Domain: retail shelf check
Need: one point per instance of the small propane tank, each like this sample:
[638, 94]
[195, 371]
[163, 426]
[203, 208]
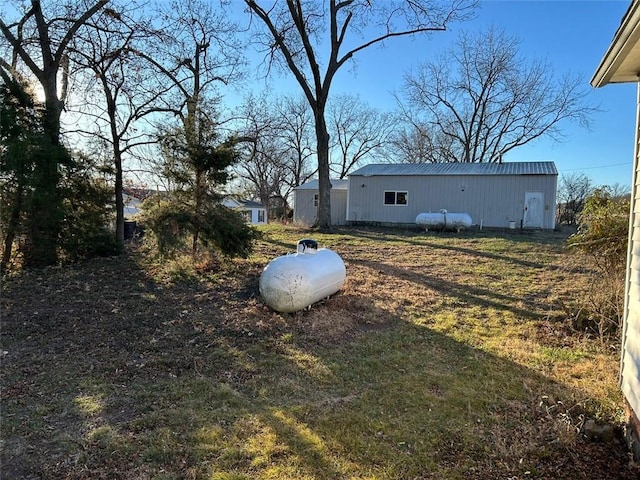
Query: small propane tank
[444, 220]
[293, 282]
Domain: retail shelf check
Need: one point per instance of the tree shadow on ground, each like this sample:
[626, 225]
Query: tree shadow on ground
[465, 293]
[421, 239]
[109, 374]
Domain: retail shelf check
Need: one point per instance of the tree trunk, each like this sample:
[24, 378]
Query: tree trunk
[117, 160]
[46, 210]
[199, 197]
[119, 200]
[12, 226]
[324, 183]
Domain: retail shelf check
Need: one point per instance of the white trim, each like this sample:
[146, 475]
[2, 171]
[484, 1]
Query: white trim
[626, 38]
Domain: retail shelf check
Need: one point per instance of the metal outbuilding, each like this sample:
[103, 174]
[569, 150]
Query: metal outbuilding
[500, 195]
[305, 202]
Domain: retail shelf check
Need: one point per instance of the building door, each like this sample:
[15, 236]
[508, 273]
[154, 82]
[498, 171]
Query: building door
[533, 210]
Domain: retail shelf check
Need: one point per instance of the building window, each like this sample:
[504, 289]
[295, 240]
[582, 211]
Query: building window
[247, 215]
[260, 216]
[395, 198]
[315, 200]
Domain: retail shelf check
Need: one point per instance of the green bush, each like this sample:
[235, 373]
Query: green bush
[603, 231]
[220, 229]
[88, 210]
[51, 205]
[603, 237]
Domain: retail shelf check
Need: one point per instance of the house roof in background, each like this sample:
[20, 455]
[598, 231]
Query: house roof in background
[508, 168]
[251, 204]
[233, 202]
[335, 185]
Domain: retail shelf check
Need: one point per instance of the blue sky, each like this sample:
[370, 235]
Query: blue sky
[572, 35]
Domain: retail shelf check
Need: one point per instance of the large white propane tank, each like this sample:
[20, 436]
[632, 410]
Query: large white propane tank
[293, 282]
[444, 220]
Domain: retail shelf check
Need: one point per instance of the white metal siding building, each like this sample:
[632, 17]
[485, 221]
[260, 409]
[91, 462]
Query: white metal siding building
[621, 64]
[493, 194]
[305, 202]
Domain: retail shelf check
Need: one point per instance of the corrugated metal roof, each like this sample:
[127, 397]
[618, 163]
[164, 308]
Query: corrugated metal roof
[508, 168]
[313, 185]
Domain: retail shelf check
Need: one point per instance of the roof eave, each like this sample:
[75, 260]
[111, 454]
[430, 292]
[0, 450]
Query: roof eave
[626, 37]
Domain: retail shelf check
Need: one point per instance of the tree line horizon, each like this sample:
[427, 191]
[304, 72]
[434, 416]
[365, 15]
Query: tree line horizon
[128, 89]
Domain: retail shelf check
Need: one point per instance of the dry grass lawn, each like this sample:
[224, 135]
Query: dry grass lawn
[445, 356]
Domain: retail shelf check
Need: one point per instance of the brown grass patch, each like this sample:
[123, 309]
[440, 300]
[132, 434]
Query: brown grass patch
[444, 356]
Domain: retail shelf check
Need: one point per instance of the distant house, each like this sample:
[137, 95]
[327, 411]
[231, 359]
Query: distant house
[621, 64]
[131, 205]
[255, 213]
[132, 198]
[305, 202]
[502, 195]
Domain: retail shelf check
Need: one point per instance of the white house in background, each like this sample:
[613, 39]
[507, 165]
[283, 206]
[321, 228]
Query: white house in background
[305, 202]
[621, 64]
[133, 197]
[131, 206]
[255, 213]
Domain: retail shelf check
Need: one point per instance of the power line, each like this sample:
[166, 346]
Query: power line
[591, 168]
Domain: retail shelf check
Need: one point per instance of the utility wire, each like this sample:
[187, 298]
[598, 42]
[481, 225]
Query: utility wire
[591, 168]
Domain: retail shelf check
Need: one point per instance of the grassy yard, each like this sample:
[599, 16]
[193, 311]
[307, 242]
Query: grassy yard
[445, 356]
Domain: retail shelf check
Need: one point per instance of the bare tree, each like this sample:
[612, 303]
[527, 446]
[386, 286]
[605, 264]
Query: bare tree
[359, 132]
[262, 168]
[619, 191]
[295, 132]
[414, 141]
[296, 33]
[126, 96]
[195, 51]
[39, 42]
[573, 192]
[277, 147]
[485, 99]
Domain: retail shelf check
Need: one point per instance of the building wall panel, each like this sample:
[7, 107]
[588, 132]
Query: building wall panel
[306, 212]
[493, 200]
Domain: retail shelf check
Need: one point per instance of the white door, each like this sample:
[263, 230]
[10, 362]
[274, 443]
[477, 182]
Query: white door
[533, 209]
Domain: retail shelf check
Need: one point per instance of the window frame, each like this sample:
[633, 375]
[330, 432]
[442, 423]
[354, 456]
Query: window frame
[395, 198]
